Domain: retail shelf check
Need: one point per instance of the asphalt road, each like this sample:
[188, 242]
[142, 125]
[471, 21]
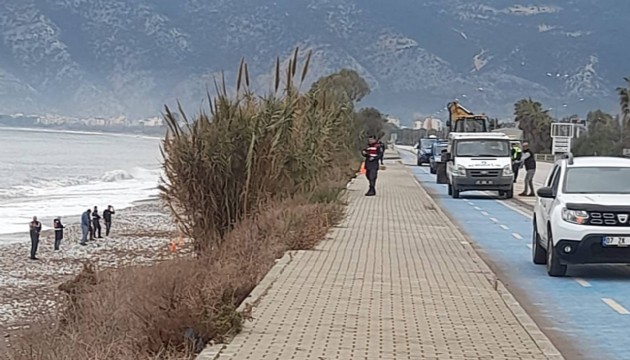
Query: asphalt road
[586, 314]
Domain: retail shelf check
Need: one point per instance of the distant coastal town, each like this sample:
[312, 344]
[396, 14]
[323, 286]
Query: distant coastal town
[120, 124]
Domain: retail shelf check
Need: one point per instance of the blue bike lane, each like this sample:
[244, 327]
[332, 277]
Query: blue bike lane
[587, 309]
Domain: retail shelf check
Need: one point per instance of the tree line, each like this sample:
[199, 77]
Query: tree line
[606, 135]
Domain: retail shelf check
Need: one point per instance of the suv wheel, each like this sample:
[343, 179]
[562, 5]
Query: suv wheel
[419, 162]
[432, 170]
[554, 268]
[450, 190]
[539, 255]
[455, 193]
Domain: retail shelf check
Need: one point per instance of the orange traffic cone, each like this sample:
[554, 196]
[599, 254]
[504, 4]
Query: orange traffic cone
[362, 171]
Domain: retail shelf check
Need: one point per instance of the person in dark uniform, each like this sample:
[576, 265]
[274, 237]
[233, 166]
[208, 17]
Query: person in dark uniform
[107, 216]
[90, 227]
[373, 153]
[58, 226]
[96, 223]
[516, 160]
[35, 229]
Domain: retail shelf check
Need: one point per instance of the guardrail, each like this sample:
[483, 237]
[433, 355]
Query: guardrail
[551, 158]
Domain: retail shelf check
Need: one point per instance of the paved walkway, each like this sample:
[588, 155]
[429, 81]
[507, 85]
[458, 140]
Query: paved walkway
[396, 280]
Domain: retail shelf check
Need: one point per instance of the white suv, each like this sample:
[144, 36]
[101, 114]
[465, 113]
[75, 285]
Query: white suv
[582, 215]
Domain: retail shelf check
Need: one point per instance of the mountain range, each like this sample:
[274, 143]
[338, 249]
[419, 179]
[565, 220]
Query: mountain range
[112, 57]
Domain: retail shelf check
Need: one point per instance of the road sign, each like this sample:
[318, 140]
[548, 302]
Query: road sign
[561, 134]
[562, 130]
[561, 145]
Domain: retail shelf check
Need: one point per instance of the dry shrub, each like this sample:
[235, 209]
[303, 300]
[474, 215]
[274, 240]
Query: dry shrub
[172, 309]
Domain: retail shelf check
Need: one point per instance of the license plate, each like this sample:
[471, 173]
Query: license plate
[616, 241]
[484, 182]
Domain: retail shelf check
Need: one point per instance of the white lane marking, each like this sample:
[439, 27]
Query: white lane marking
[477, 208]
[504, 227]
[616, 306]
[582, 282]
[494, 220]
[530, 246]
[484, 213]
[517, 236]
[464, 242]
[529, 215]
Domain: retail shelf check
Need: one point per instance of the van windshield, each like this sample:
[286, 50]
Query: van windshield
[477, 148]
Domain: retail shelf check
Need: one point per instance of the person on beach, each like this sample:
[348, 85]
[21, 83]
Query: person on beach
[96, 223]
[373, 154]
[107, 216]
[85, 226]
[35, 230]
[58, 226]
[90, 227]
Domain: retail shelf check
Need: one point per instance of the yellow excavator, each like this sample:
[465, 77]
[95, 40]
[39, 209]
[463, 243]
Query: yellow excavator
[464, 120]
[461, 120]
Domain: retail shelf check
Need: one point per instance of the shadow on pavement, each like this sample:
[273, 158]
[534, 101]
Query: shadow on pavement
[600, 272]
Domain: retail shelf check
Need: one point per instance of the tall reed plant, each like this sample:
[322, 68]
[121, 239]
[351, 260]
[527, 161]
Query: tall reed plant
[223, 166]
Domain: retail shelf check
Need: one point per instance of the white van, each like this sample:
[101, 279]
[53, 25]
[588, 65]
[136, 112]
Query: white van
[479, 161]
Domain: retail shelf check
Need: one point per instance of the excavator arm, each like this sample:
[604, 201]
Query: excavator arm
[464, 120]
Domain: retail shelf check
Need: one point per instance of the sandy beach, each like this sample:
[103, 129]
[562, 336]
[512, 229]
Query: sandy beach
[140, 235]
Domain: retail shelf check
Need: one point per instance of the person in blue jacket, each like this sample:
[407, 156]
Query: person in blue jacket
[86, 219]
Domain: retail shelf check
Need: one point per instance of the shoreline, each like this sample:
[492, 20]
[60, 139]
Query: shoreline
[80, 132]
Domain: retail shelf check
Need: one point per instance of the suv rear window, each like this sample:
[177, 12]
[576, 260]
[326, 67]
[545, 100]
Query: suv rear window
[597, 180]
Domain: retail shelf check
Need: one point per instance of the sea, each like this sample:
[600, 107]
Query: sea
[47, 173]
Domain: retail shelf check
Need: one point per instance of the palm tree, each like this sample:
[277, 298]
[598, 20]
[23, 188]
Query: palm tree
[624, 102]
[535, 124]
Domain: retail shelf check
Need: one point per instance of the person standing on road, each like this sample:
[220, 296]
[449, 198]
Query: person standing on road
[372, 153]
[516, 160]
[529, 160]
[85, 226]
[96, 223]
[107, 216]
[58, 226]
[35, 229]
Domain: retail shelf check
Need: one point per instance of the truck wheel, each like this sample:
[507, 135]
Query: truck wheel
[455, 194]
[432, 170]
[419, 163]
[450, 190]
[554, 267]
[510, 193]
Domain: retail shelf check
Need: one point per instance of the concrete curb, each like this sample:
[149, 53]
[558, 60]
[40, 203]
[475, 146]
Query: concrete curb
[541, 340]
[213, 351]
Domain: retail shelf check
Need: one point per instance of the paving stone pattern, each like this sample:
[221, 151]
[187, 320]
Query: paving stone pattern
[396, 280]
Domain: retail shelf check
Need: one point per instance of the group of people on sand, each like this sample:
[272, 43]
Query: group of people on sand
[90, 225]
